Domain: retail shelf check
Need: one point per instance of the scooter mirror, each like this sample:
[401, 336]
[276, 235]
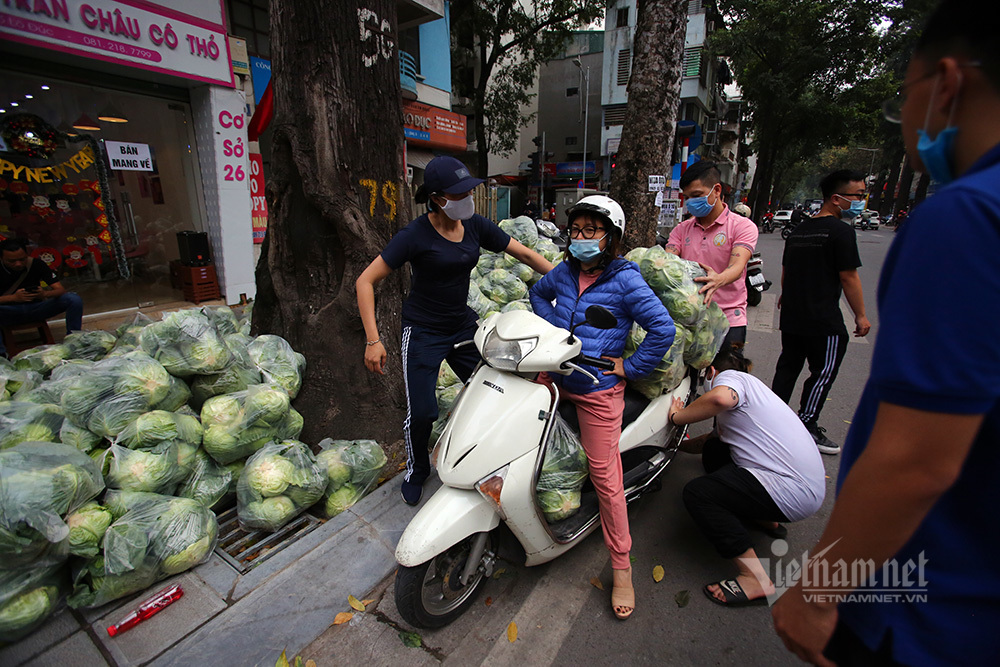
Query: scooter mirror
[600, 317]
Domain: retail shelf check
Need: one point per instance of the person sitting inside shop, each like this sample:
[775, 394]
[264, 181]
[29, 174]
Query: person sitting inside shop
[31, 292]
[763, 469]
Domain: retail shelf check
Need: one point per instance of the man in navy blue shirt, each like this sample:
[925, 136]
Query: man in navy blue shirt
[919, 484]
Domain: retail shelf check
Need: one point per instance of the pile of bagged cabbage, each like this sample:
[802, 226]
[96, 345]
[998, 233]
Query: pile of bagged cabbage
[115, 448]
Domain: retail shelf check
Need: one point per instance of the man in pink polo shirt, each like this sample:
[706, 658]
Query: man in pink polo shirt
[718, 239]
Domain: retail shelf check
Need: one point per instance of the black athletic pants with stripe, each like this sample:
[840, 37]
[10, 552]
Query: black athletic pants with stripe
[824, 354]
[423, 351]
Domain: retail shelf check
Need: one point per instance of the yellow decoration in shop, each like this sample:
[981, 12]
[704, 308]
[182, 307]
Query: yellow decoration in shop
[56, 172]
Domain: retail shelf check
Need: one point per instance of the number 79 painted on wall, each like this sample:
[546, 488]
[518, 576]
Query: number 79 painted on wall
[390, 195]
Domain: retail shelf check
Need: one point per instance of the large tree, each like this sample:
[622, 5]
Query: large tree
[498, 46]
[334, 202]
[653, 103]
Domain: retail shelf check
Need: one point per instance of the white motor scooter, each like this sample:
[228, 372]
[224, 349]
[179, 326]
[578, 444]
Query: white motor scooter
[489, 457]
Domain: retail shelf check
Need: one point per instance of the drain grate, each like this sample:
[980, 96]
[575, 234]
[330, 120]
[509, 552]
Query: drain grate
[244, 550]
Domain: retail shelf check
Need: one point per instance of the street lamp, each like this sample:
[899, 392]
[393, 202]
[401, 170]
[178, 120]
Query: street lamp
[586, 115]
[870, 166]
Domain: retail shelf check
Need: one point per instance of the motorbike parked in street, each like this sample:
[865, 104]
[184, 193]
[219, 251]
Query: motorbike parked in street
[767, 223]
[489, 457]
[757, 284]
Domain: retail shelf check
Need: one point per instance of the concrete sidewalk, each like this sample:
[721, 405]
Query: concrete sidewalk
[283, 604]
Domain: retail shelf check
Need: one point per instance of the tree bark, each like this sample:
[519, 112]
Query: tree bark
[905, 182]
[922, 185]
[653, 103]
[334, 202]
[890, 185]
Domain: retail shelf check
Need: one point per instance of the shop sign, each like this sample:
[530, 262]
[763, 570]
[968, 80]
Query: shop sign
[238, 58]
[230, 145]
[428, 126]
[50, 174]
[148, 35]
[260, 75]
[258, 214]
[129, 157]
[564, 168]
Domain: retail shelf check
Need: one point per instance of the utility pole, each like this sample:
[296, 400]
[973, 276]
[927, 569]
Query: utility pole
[871, 166]
[586, 115]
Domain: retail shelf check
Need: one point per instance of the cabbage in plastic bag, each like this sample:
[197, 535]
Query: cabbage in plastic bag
[87, 526]
[447, 376]
[277, 484]
[208, 482]
[89, 345]
[707, 338]
[521, 228]
[40, 484]
[353, 467]
[669, 372]
[237, 376]
[28, 422]
[186, 343]
[159, 426]
[41, 359]
[71, 368]
[154, 470]
[28, 596]
[520, 304]
[564, 470]
[502, 287]
[223, 318]
[237, 425]
[278, 362]
[14, 380]
[155, 538]
[81, 438]
[672, 280]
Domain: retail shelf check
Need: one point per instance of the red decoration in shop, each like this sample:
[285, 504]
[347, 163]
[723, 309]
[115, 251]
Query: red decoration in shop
[48, 255]
[102, 220]
[19, 188]
[74, 256]
[105, 236]
[3, 185]
[89, 185]
[96, 252]
[70, 189]
[29, 135]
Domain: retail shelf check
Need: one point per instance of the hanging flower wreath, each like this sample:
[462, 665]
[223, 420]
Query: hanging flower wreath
[29, 135]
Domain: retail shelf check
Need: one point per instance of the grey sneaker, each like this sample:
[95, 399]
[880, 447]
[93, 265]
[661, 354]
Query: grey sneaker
[823, 443]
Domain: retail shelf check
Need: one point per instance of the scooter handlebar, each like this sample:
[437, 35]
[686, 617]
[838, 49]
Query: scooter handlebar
[597, 362]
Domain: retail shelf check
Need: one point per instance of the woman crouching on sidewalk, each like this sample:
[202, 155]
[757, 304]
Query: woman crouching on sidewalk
[763, 468]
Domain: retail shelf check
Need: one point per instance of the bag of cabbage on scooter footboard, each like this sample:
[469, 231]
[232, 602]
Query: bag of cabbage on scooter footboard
[564, 471]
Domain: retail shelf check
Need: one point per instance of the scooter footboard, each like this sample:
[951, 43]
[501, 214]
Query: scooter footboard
[448, 517]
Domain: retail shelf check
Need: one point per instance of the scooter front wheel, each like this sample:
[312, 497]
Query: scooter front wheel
[431, 595]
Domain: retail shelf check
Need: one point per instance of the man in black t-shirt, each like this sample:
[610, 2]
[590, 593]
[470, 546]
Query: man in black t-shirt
[820, 261]
[30, 291]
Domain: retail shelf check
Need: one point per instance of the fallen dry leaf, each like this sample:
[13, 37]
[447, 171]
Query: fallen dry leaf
[355, 603]
[658, 573]
[343, 617]
[596, 583]
[367, 602]
[682, 598]
[282, 660]
[499, 572]
[489, 601]
[310, 663]
[512, 632]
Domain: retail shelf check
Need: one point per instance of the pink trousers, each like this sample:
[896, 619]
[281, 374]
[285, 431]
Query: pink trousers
[600, 415]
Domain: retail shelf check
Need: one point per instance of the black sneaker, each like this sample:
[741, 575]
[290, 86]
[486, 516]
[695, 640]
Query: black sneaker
[411, 492]
[823, 443]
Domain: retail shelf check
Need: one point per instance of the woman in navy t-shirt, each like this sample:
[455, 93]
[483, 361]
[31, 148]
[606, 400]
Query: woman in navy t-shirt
[442, 247]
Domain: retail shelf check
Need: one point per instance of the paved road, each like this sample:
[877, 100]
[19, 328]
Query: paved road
[563, 619]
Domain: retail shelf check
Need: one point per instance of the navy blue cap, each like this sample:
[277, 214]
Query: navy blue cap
[446, 174]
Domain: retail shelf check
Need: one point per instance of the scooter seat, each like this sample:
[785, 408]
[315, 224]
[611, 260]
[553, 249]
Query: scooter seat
[635, 403]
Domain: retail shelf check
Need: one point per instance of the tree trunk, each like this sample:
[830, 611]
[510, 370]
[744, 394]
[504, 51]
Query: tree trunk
[653, 102]
[922, 185]
[334, 202]
[890, 185]
[905, 182]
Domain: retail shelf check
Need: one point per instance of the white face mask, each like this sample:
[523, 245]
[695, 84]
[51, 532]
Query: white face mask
[460, 209]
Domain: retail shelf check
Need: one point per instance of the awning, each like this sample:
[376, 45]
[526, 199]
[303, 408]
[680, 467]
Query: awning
[418, 158]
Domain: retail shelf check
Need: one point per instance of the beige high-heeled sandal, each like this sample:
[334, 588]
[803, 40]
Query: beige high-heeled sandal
[622, 599]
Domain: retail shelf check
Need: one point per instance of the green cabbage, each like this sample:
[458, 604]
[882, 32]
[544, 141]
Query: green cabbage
[564, 470]
[278, 362]
[353, 468]
[28, 597]
[41, 359]
[502, 287]
[559, 504]
[87, 526]
[280, 476]
[523, 229]
[154, 470]
[186, 343]
[90, 345]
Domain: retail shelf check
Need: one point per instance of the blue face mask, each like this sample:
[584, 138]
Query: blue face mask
[585, 250]
[699, 206]
[857, 207]
[937, 153]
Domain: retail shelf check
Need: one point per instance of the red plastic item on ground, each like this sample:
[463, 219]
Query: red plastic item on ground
[148, 608]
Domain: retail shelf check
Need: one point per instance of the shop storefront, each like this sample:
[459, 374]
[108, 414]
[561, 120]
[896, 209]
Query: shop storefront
[152, 82]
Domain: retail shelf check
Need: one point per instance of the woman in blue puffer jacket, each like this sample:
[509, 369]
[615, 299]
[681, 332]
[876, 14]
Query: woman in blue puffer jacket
[594, 274]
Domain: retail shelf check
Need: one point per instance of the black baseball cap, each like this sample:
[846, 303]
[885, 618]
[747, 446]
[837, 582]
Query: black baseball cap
[447, 174]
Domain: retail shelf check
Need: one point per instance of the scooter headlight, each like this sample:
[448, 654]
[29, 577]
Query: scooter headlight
[489, 487]
[505, 355]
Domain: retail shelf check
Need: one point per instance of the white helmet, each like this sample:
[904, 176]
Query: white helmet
[601, 205]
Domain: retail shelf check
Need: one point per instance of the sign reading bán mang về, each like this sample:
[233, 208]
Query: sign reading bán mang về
[129, 157]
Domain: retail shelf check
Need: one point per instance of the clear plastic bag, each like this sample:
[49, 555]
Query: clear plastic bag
[87, 525]
[155, 538]
[186, 343]
[208, 482]
[28, 596]
[21, 421]
[40, 484]
[482, 305]
[89, 345]
[278, 362]
[277, 484]
[707, 338]
[503, 286]
[237, 376]
[177, 396]
[114, 393]
[671, 369]
[521, 228]
[153, 428]
[13, 380]
[223, 318]
[563, 473]
[237, 425]
[154, 469]
[41, 359]
[672, 280]
[353, 467]
[70, 368]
